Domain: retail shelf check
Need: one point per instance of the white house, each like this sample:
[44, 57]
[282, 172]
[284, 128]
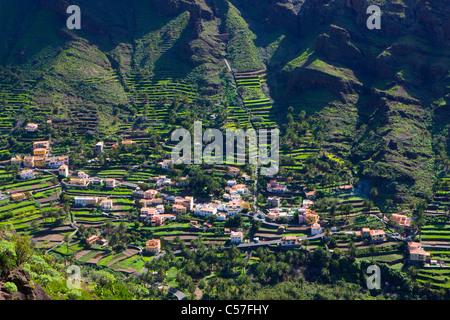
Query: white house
[205, 210]
[221, 217]
[236, 237]
[234, 207]
[26, 174]
[63, 170]
[82, 175]
[31, 127]
[100, 147]
[231, 183]
[165, 165]
[106, 204]
[315, 229]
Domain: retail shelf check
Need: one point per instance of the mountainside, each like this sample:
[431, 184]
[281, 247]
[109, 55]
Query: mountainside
[381, 95]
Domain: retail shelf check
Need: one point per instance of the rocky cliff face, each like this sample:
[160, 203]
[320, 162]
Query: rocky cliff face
[26, 289]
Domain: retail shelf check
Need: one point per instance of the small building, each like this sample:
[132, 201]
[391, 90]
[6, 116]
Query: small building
[153, 246]
[417, 253]
[82, 175]
[26, 174]
[157, 221]
[187, 202]
[63, 170]
[179, 209]
[86, 201]
[96, 239]
[110, 183]
[147, 213]
[236, 237]
[246, 177]
[233, 171]
[150, 194]
[205, 210]
[17, 160]
[56, 162]
[273, 202]
[75, 182]
[40, 162]
[365, 232]
[31, 127]
[307, 203]
[40, 152]
[311, 194]
[234, 207]
[315, 229]
[128, 142]
[19, 196]
[401, 220]
[106, 204]
[221, 216]
[165, 165]
[99, 147]
[231, 183]
[377, 235]
[41, 144]
[288, 241]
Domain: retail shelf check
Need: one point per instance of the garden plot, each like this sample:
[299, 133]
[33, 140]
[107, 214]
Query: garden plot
[437, 233]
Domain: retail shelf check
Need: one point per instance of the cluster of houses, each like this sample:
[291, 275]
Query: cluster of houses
[41, 158]
[275, 187]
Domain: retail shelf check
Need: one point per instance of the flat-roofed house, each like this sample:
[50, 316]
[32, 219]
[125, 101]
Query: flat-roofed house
[31, 127]
[315, 229]
[28, 161]
[18, 196]
[41, 144]
[40, 152]
[40, 161]
[75, 182]
[236, 237]
[150, 194]
[377, 235]
[63, 170]
[26, 174]
[205, 210]
[179, 209]
[110, 183]
[402, 220]
[233, 171]
[17, 160]
[417, 253]
[287, 241]
[273, 202]
[86, 201]
[234, 207]
[106, 204]
[153, 246]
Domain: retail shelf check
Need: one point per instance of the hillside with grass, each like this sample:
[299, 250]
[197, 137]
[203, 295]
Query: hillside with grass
[381, 96]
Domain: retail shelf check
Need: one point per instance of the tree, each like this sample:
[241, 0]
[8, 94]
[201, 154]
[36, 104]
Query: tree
[22, 247]
[372, 250]
[373, 193]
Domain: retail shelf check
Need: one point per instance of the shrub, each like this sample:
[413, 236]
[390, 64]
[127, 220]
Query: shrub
[10, 287]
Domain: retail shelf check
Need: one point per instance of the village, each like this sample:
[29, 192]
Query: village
[278, 226]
